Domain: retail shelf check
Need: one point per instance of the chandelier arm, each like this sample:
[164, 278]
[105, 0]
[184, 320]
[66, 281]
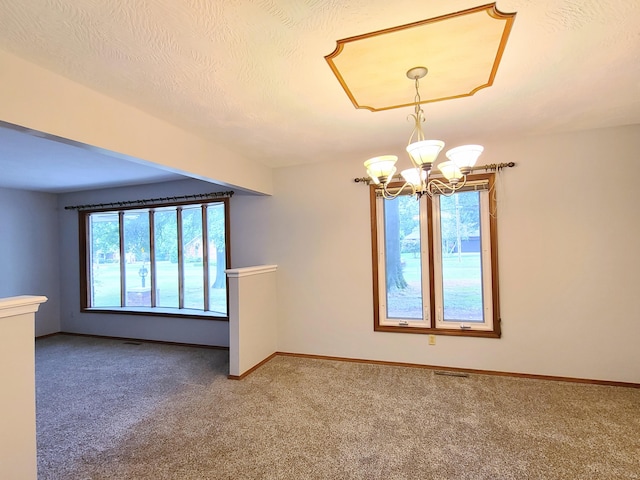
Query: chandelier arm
[418, 119]
[435, 184]
[444, 188]
[415, 127]
[387, 195]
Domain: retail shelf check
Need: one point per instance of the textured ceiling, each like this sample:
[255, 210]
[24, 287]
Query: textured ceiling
[252, 74]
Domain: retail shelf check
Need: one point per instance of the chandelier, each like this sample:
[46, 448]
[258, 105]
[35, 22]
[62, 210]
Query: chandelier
[423, 153]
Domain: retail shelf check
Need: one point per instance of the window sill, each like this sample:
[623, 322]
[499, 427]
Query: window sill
[438, 331]
[160, 312]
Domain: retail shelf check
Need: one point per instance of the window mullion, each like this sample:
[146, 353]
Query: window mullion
[205, 259]
[123, 277]
[437, 290]
[426, 261]
[152, 257]
[87, 258]
[180, 258]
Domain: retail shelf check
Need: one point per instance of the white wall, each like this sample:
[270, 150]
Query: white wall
[253, 317]
[29, 262]
[183, 330]
[568, 259]
[252, 231]
[39, 99]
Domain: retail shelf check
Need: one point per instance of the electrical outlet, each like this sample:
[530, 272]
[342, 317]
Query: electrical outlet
[432, 339]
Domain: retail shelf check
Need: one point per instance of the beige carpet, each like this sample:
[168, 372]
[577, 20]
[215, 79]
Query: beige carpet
[113, 410]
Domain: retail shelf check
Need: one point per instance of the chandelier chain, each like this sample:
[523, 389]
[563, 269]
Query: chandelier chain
[418, 115]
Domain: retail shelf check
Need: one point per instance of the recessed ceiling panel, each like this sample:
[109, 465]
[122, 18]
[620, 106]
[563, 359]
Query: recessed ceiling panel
[461, 50]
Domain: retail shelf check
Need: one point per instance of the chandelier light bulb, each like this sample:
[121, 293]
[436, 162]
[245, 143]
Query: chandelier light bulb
[382, 167]
[465, 157]
[450, 171]
[415, 177]
[425, 151]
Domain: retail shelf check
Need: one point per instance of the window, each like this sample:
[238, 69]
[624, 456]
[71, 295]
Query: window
[435, 262]
[165, 259]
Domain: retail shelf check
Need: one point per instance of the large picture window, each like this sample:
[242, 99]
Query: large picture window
[164, 259]
[435, 262]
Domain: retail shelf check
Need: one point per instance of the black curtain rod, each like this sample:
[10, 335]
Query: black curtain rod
[150, 201]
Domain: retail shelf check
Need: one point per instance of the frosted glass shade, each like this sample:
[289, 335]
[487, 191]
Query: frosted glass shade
[425, 151]
[414, 176]
[450, 171]
[382, 166]
[465, 156]
[373, 178]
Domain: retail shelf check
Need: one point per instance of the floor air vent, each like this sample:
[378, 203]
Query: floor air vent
[451, 374]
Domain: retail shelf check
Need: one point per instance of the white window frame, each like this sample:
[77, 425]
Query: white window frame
[485, 242]
[424, 322]
[431, 268]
